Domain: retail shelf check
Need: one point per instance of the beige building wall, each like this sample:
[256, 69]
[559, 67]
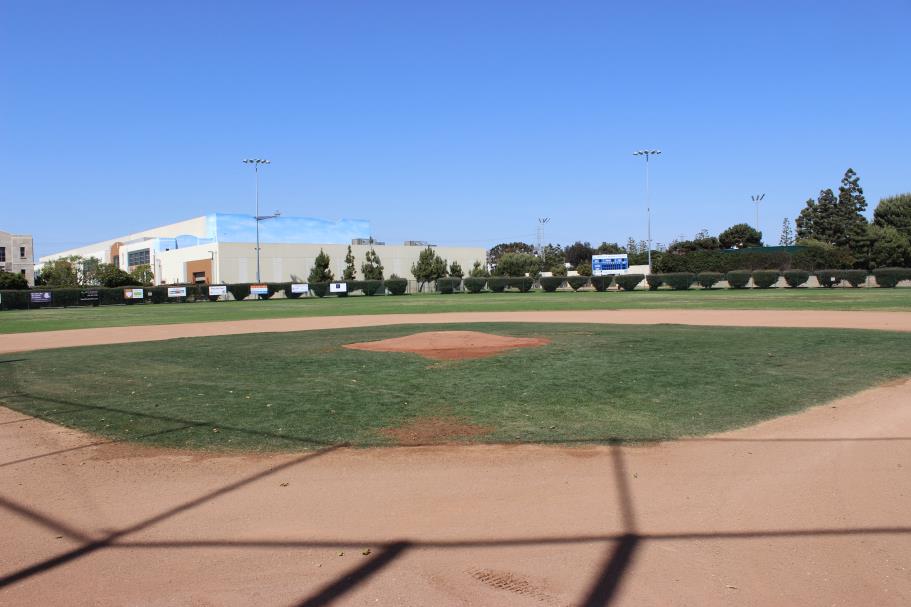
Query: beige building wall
[236, 262]
[171, 266]
[17, 255]
[101, 250]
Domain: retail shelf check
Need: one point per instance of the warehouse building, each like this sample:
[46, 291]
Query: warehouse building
[221, 248]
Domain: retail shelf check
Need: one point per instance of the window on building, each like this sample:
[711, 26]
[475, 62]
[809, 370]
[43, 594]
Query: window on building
[21, 252]
[138, 258]
[2, 253]
[22, 272]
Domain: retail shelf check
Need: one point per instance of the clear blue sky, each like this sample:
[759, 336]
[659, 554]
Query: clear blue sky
[459, 122]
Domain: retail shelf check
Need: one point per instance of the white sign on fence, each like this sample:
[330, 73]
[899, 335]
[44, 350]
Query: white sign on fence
[177, 291]
[338, 287]
[259, 290]
[216, 290]
[133, 294]
[300, 288]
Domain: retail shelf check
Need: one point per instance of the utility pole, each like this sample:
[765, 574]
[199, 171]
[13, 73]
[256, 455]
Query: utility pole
[756, 200]
[648, 202]
[541, 222]
[256, 162]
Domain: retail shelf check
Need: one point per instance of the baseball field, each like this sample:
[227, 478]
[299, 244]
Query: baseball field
[705, 448]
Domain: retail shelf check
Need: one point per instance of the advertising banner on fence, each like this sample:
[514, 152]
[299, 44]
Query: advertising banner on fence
[133, 294]
[89, 295]
[300, 288]
[259, 290]
[40, 296]
[608, 265]
[177, 291]
[218, 290]
[338, 287]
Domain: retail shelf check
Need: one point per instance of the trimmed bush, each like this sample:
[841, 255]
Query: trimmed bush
[239, 291]
[522, 283]
[551, 283]
[448, 285]
[855, 278]
[14, 299]
[628, 282]
[738, 279]
[654, 281]
[795, 278]
[497, 284]
[396, 286]
[288, 293]
[577, 282]
[371, 287]
[602, 283]
[475, 284]
[885, 277]
[678, 281]
[763, 279]
[320, 289]
[709, 279]
[829, 278]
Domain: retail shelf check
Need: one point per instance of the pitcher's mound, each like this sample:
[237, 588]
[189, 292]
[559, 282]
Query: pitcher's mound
[450, 345]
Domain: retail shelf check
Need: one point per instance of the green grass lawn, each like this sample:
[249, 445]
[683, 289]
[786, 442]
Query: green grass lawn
[593, 383]
[18, 321]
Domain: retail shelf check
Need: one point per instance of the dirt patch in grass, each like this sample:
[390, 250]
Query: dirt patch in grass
[450, 345]
[434, 431]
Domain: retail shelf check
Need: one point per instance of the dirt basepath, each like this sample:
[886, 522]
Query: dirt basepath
[813, 509]
[886, 321]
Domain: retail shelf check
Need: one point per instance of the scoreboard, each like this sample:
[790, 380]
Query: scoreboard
[608, 265]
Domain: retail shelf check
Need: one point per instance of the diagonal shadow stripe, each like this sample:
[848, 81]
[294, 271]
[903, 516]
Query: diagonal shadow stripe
[605, 587]
[349, 581]
[42, 519]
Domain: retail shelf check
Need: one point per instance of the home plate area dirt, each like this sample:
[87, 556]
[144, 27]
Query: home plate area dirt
[451, 345]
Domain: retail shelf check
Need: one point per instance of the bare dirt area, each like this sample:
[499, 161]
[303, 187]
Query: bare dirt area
[811, 509]
[450, 345]
[434, 431]
[886, 321]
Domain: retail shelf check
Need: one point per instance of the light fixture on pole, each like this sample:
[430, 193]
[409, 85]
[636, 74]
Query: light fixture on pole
[756, 200]
[541, 222]
[256, 162]
[648, 203]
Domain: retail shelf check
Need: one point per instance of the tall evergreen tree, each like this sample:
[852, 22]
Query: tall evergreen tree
[894, 212]
[320, 271]
[349, 272]
[372, 268]
[429, 267]
[836, 220]
[787, 234]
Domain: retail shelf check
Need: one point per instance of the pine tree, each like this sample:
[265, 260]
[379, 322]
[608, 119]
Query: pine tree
[455, 270]
[349, 273]
[320, 271]
[787, 234]
[631, 247]
[478, 271]
[429, 267]
[372, 268]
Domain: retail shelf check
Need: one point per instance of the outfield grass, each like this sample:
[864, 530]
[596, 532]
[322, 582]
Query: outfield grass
[19, 321]
[593, 383]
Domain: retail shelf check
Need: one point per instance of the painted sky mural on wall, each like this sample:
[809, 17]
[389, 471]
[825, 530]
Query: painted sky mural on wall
[228, 227]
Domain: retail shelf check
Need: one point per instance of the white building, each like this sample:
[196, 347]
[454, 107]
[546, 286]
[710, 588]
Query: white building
[221, 248]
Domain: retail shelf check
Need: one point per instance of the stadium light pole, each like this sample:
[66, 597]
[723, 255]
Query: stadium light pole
[541, 222]
[256, 162]
[756, 200]
[648, 203]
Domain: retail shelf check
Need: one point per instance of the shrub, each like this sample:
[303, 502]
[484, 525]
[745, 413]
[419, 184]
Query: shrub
[795, 278]
[738, 279]
[709, 279]
[654, 281]
[239, 291]
[396, 286]
[12, 281]
[551, 283]
[763, 279]
[628, 282]
[497, 283]
[158, 295]
[320, 289]
[602, 283]
[475, 284]
[577, 282]
[885, 277]
[678, 281]
[522, 283]
[448, 285]
[372, 286]
[855, 278]
[14, 299]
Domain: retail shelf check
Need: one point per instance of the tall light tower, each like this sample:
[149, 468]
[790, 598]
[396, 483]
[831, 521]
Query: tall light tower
[541, 222]
[648, 203]
[756, 200]
[256, 162]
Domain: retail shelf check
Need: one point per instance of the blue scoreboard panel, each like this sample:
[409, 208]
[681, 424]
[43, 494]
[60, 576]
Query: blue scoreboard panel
[606, 265]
